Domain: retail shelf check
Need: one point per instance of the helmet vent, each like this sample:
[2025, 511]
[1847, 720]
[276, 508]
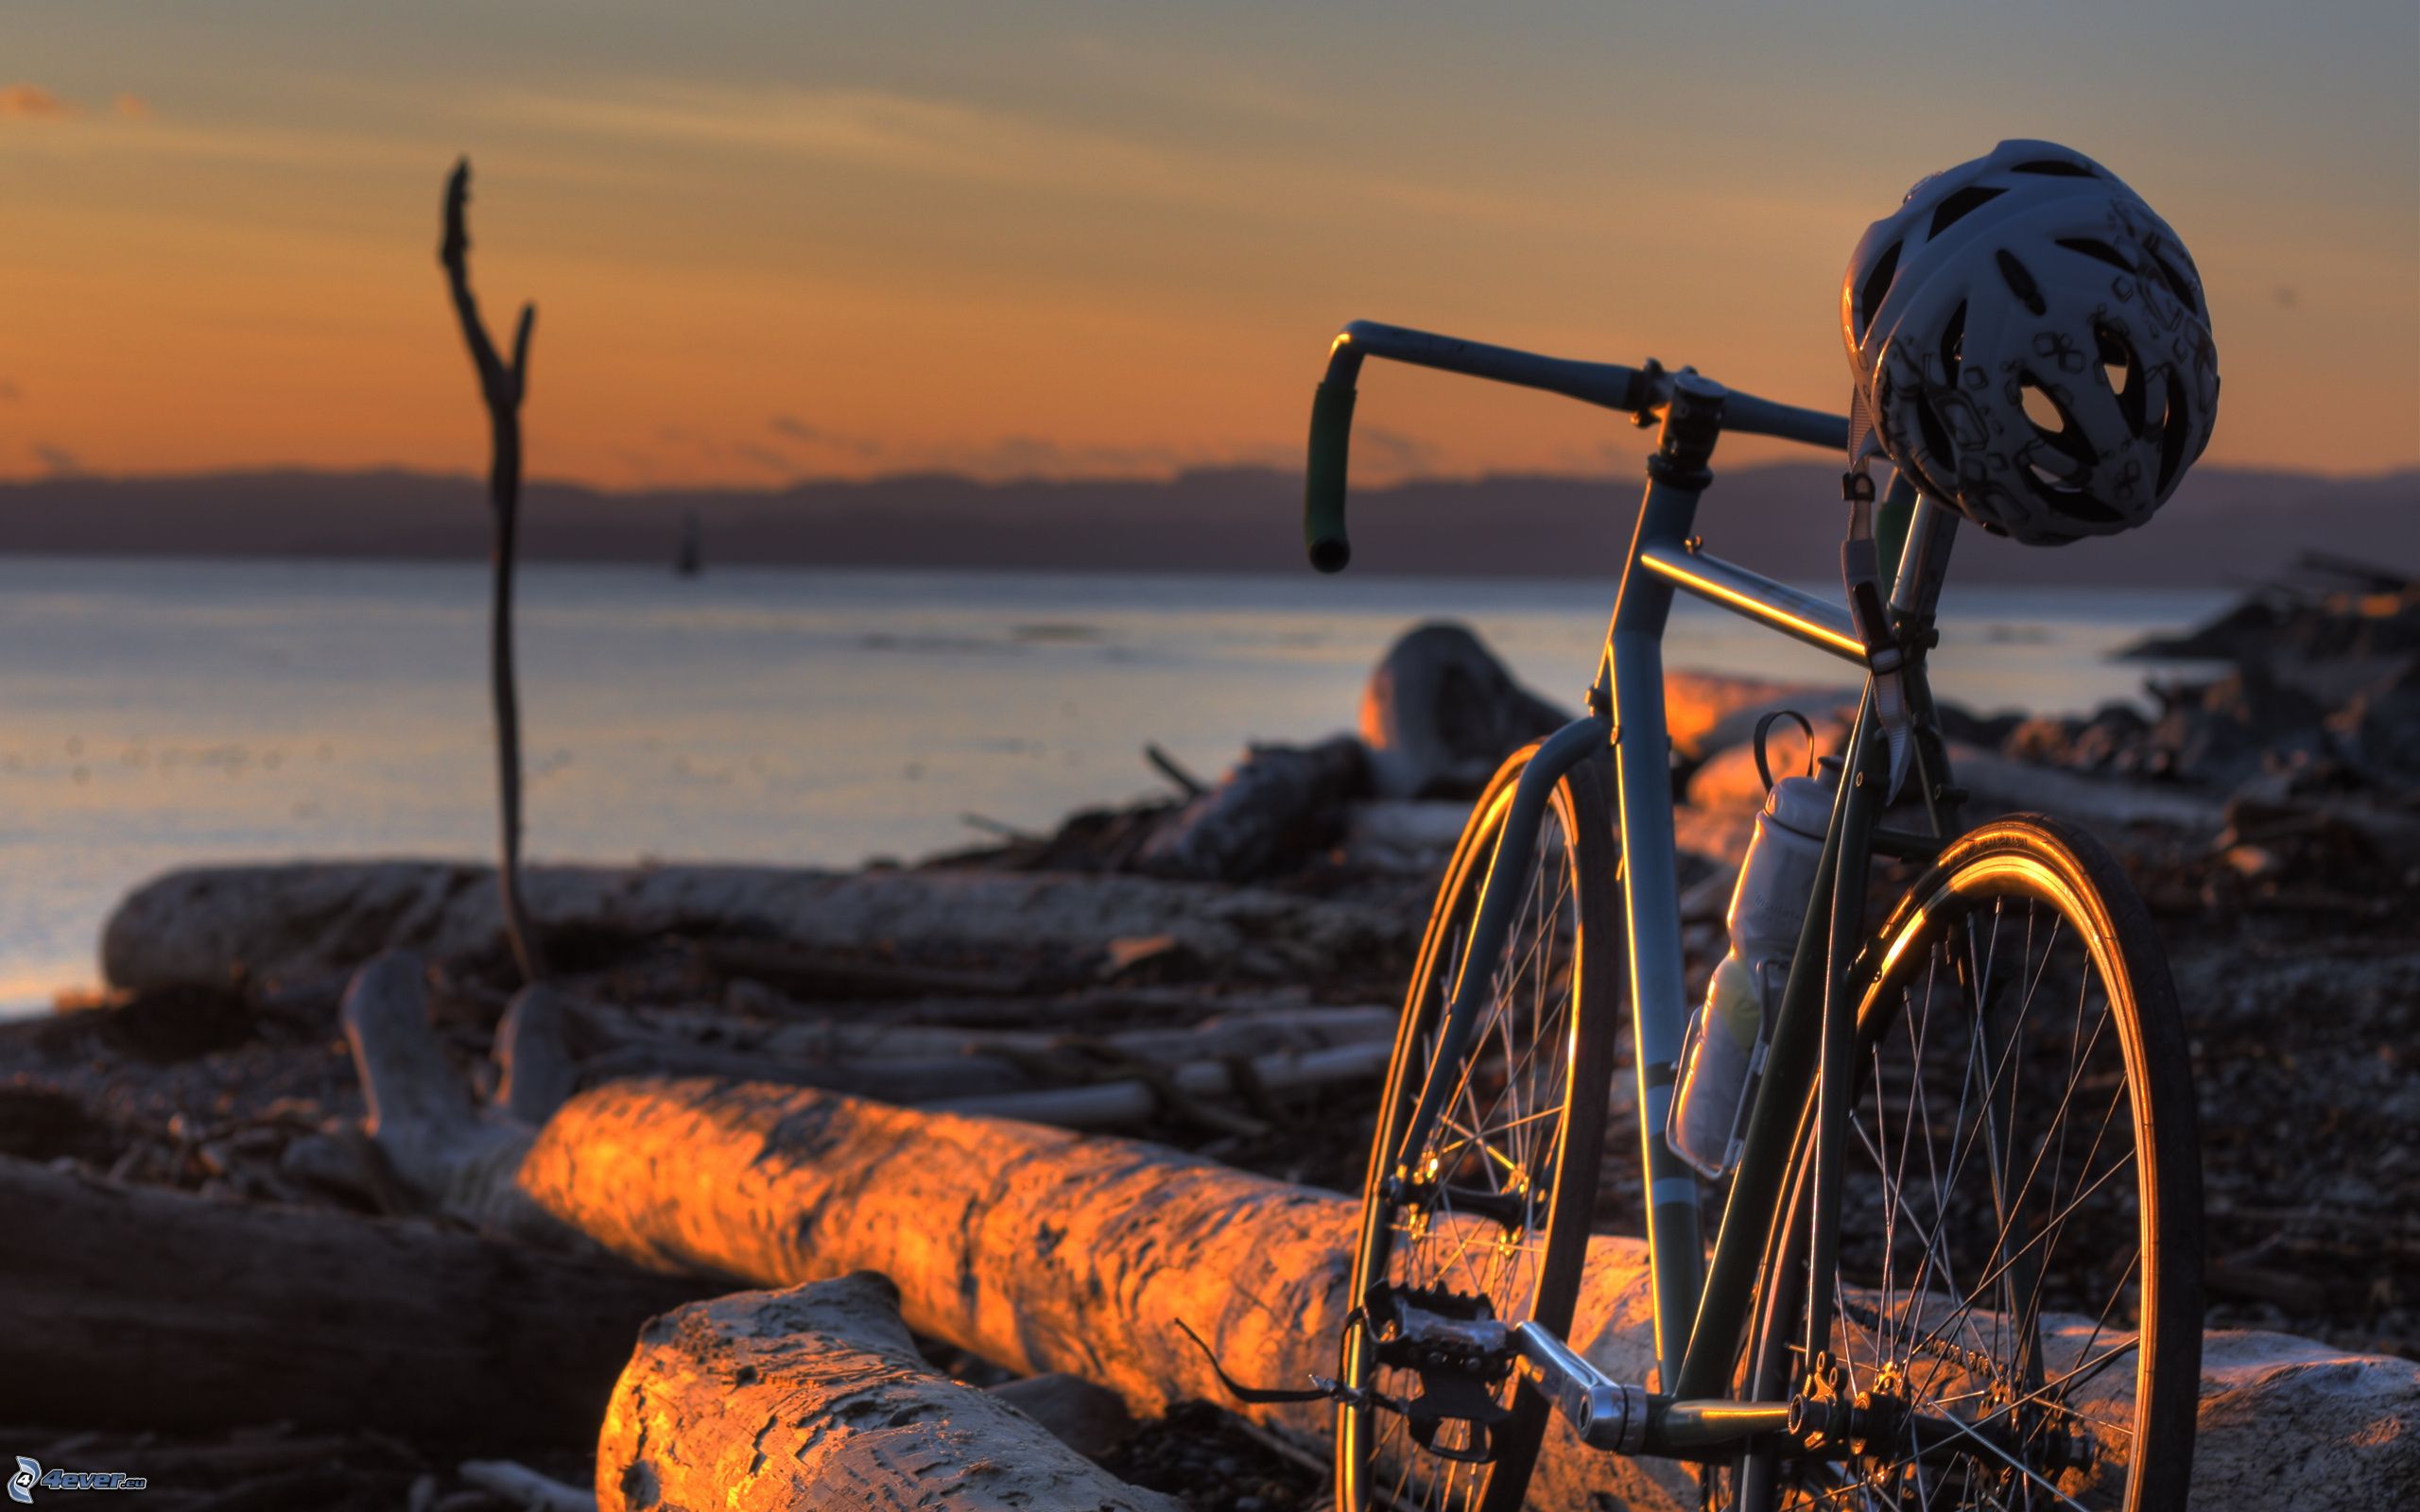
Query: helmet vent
[2020, 282]
[2187, 292]
[2055, 168]
[1936, 435]
[2054, 424]
[2100, 249]
[1877, 284]
[1956, 207]
[2040, 408]
[2121, 370]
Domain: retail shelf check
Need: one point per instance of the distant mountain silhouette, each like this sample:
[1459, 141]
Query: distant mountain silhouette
[2228, 524]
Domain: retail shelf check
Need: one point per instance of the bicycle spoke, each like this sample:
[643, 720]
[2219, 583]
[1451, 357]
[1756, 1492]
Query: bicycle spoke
[1501, 1135]
[1993, 1183]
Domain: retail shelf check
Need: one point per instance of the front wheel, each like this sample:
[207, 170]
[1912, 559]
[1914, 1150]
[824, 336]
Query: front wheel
[2020, 1225]
[1492, 1211]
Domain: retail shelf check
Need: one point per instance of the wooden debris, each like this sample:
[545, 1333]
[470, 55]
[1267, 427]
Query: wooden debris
[533, 1054]
[1279, 804]
[209, 927]
[446, 1154]
[810, 973]
[1168, 767]
[526, 1489]
[1440, 714]
[1041, 1251]
[815, 1398]
[1071, 1080]
[1999, 785]
[143, 1308]
[1180, 1089]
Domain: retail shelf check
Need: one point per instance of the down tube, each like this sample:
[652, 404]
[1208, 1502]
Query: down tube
[1658, 996]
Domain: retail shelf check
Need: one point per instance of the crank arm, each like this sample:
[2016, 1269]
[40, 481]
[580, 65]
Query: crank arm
[1605, 1413]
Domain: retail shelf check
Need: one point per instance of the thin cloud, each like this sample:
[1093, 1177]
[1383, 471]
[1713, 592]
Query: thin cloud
[131, 108]
[765, 457]
[792, 428]
[1394, 452]
[894, 133]
[10, 393]
[1019, 455]
[58, 459]
[31, 102]
[868, 127]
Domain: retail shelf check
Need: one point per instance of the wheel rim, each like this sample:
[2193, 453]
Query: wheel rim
[1996, 1218]
[1490, 1173]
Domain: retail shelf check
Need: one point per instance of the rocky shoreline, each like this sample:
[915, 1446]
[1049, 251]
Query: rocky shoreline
[1211, 973]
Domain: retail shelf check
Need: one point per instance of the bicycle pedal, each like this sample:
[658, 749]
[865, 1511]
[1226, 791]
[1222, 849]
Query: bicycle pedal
[1437, 1332]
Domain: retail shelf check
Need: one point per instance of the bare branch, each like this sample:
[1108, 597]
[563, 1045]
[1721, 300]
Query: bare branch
[501, 387]
[521, 353]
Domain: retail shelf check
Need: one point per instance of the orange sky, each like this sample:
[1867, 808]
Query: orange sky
[1069, 238]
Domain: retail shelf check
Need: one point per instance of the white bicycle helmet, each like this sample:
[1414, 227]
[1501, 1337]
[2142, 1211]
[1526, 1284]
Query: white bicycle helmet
[2032, 343]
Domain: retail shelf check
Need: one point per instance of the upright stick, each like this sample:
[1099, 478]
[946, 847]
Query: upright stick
[502, 386]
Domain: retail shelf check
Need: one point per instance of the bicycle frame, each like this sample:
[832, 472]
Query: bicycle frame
[1701, 1313]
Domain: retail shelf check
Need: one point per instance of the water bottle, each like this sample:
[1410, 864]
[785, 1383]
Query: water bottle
[1725, 1046]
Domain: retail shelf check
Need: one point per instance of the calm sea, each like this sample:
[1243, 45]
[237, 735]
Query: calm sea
[157, 713]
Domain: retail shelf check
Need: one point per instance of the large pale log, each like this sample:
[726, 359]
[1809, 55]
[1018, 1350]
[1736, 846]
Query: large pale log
[1044, 1251]
[308, 920]
[147, 1309]
[816, 1398]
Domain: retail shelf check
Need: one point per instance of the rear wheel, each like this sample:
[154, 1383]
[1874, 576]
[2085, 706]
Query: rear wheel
[1495, 1214]
[2020, 1225]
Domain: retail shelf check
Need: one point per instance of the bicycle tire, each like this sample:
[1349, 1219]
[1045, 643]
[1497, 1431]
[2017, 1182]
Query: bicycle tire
[1570, 964]
[2001, 1349]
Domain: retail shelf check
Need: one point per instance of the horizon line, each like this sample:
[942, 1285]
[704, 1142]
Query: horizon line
[948, 475]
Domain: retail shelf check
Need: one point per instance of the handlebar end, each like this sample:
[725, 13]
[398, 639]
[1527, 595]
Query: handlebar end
[1324, 479]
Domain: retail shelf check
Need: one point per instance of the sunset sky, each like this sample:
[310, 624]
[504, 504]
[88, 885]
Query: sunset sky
[775, 239]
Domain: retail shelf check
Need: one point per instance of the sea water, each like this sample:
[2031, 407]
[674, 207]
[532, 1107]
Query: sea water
[157, 713]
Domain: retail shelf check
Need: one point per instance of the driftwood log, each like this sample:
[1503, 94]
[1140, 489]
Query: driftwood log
[816, 1398]
[444, 1151]
[304, 921]
[1277, 805]
[1709, 712]
[1071, 1080]
[1440, 714]
[1236, 1027]
[139, 1308]
[1042, 1251]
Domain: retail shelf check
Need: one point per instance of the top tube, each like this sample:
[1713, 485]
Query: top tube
[1632, 391]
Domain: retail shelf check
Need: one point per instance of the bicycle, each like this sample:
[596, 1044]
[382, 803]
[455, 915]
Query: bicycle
[1967, 1192]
